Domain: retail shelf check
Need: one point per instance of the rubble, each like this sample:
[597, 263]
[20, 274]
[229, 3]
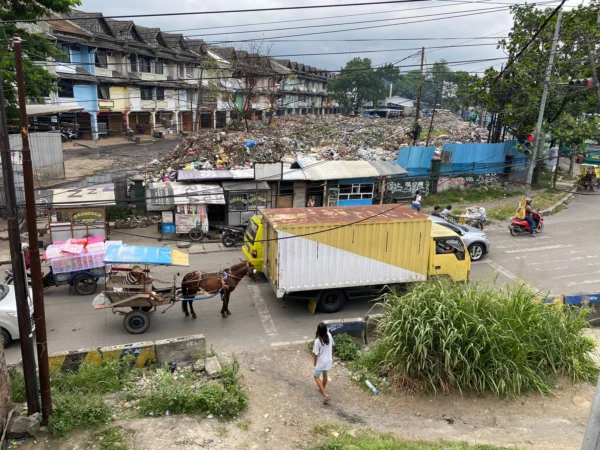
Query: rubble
[24, 426]
[212, 366]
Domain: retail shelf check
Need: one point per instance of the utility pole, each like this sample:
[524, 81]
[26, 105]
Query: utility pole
[417, 129]
[437, 93]
[18, 265]
[500, 116]
[538, 128]
[34, 250]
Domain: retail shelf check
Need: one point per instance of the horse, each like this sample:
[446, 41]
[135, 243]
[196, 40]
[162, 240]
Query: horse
[224, 282]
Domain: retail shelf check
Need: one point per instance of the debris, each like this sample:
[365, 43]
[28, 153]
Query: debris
[450, 420]
[24, 426]
[373, 388]
[198, 366]
[213, 367]
[137, 222]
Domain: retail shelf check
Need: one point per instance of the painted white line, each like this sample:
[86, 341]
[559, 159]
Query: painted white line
[578, 258]
[573, 275]
[506, 273]
[263, 311]
[537, 249]
[288, 343]
[577, 283]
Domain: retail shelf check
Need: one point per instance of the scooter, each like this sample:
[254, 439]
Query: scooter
[232, 235]
[518, 226]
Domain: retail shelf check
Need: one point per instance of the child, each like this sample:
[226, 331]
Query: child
[323, 352]
[416, 202]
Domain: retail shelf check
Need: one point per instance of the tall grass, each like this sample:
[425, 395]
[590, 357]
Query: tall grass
[444, 336]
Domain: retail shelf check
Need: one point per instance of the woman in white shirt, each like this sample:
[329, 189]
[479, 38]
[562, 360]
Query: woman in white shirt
[416, 203]
[323, 353]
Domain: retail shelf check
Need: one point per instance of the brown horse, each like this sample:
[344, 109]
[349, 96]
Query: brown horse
[224, 282]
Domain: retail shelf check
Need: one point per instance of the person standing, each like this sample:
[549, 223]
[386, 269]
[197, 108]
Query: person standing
[311, 202]
[416, 203]
[323, 358]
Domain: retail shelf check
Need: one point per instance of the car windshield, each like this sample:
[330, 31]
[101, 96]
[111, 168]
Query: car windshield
[251, 231]
[453, 228]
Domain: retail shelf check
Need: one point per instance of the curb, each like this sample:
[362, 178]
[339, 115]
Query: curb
[549, 211]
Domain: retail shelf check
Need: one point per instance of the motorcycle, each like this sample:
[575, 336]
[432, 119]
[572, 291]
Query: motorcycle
[518, 226]
[232, 235]
[67, 134]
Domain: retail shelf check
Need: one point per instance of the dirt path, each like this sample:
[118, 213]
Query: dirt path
[285, 406]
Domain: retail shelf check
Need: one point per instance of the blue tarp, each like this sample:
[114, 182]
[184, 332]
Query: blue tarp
[132, 254]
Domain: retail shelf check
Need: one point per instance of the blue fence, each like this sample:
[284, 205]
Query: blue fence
[416, 160]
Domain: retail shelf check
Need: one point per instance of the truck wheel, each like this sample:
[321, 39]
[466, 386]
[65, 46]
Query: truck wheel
[6, 337]
[136, 322]
[331, 301]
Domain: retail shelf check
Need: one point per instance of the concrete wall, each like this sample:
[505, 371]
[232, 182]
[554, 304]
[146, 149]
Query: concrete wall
[120, 96]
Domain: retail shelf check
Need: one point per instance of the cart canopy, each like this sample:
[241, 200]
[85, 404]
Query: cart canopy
[133, 254]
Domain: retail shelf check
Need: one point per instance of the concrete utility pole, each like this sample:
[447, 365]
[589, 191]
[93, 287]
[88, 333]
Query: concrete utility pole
[418, 113]
[18, 265]
[437, 93]
[34, 250]
[538, 128]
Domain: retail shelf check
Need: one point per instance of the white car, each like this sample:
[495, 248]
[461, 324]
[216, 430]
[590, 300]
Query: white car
[9, 324]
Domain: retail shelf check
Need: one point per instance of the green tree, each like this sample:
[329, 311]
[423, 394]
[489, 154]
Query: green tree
[573, 132]
[38, 81]
[358, 83]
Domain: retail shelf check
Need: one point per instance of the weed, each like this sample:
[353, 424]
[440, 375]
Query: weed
[244, 425]
[110, 376]
[73, 410]
[211, 353]
[345, 347]
[17, 384]
[222, 431]
[444, 336]
[118, 212]
[503, 212]
[472, 196]
[112, 438]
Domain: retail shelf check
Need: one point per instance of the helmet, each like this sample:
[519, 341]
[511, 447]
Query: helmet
[529, 201]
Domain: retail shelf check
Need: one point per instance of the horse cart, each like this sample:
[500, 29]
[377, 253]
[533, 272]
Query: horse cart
[590, 177]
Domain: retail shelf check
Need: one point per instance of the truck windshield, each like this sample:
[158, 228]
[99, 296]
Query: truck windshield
[251, 231]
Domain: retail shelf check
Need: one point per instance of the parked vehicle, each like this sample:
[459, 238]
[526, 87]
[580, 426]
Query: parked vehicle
[333, 254]
[521, 226]
[67, 134]
[475, 239]
[232, 235]
[9, 325]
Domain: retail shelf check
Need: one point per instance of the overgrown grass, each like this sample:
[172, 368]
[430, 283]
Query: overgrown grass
[472, 196]
[338, 439]
[444, 337]
[187, 394]
[17, 384]
[112, 438]
[345, 347]
[503, 212]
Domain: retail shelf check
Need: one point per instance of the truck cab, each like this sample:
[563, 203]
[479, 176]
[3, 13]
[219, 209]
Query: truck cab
[253, 247]
[448, 255]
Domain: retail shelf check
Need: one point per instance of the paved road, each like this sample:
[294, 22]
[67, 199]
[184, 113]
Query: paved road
[561, 260]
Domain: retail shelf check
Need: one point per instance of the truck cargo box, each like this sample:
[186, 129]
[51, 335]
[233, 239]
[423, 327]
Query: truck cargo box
[324, 248]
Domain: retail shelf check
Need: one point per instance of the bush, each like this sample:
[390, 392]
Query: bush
[444, 336]
[17, 384]
[109, 376]
[345, 347]
[74, 410]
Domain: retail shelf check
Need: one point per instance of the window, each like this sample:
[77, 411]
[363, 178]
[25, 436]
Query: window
[133, 60]
[146, 93]
[160, 93]
[145, 64]
[238, 202]
[449, 246]
[101, 60]
[251, 231]
[356, 191]
[252, 203]
[181, 70]
[66, 58]
[65, 89]
[103, 92]
[158, 67]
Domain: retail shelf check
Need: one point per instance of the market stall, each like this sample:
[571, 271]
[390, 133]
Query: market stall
[244, 200]
[77, 213]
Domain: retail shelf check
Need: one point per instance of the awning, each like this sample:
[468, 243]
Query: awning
[229, 186]
[100, 195]
[342, 170]
[164, 196]
[132, 254]
[51, 110]
[215, 175]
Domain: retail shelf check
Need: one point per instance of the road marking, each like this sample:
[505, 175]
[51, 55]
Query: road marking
[288, 343]
[263, 311]
[506, 273]
[578, 258]
[577, 283]
[571, 275]
[537, 249]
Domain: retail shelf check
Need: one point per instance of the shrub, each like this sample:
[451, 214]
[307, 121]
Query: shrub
[109, 376]
[74, 410]
[17, 384]
[345, 347]
[444, 336]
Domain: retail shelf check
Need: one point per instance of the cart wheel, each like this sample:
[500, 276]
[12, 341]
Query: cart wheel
[85, 284]
[136, 322]
[196, 234]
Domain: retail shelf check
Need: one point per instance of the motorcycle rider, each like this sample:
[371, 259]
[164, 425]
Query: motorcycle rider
[528, 217]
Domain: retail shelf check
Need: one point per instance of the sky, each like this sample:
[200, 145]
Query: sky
[425, 15]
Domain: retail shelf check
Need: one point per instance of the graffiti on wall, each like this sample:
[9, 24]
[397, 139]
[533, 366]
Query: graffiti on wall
[407, 188]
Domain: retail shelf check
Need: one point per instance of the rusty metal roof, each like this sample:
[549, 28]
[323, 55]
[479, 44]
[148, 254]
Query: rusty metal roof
[66, 26]
[281, 217]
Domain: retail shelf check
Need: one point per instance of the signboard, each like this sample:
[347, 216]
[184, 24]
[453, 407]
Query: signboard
[101, 195]
[95, 216]
[189, 217]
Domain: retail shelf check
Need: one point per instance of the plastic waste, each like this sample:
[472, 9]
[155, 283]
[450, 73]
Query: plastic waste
[373, 388]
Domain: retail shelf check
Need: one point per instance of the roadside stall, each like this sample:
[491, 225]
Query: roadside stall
[77, 213]
[245, 199]
[185, 207]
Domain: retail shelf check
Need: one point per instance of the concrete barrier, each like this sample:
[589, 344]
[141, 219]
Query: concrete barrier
[354, 327]
[180, 350]
[71, 360]
[142, 353]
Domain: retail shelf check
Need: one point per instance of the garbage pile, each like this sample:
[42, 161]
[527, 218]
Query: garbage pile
[329, 137]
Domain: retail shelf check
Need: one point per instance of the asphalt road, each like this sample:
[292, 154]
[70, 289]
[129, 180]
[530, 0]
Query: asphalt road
[560, 260]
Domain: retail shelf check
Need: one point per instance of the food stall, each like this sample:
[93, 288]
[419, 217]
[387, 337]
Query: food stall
[77, 213]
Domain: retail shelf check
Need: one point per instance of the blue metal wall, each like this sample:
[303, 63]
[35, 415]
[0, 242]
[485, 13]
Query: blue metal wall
[87, 96]
[416, 160]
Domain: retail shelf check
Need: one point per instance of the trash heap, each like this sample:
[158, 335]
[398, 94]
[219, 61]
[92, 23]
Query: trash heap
[329, 137]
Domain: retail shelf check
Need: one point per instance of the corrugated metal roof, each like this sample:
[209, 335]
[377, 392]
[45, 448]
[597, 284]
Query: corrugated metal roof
[342, 170]
[245, 185]
[340, 215]
[214, 175]
[43, 110]
[272, 172]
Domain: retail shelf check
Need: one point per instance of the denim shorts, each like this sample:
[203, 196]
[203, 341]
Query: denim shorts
[317, 373]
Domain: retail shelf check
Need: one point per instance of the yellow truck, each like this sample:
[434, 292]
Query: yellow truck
[333, 254]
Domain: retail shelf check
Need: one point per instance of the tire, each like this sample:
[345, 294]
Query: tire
[6, 337]
[540, 227]
[85, 284]
[331, 301]
[515, 231]
[136, 322]
[476, 252]
[142, 308]
[196, 234]
[228, 241]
